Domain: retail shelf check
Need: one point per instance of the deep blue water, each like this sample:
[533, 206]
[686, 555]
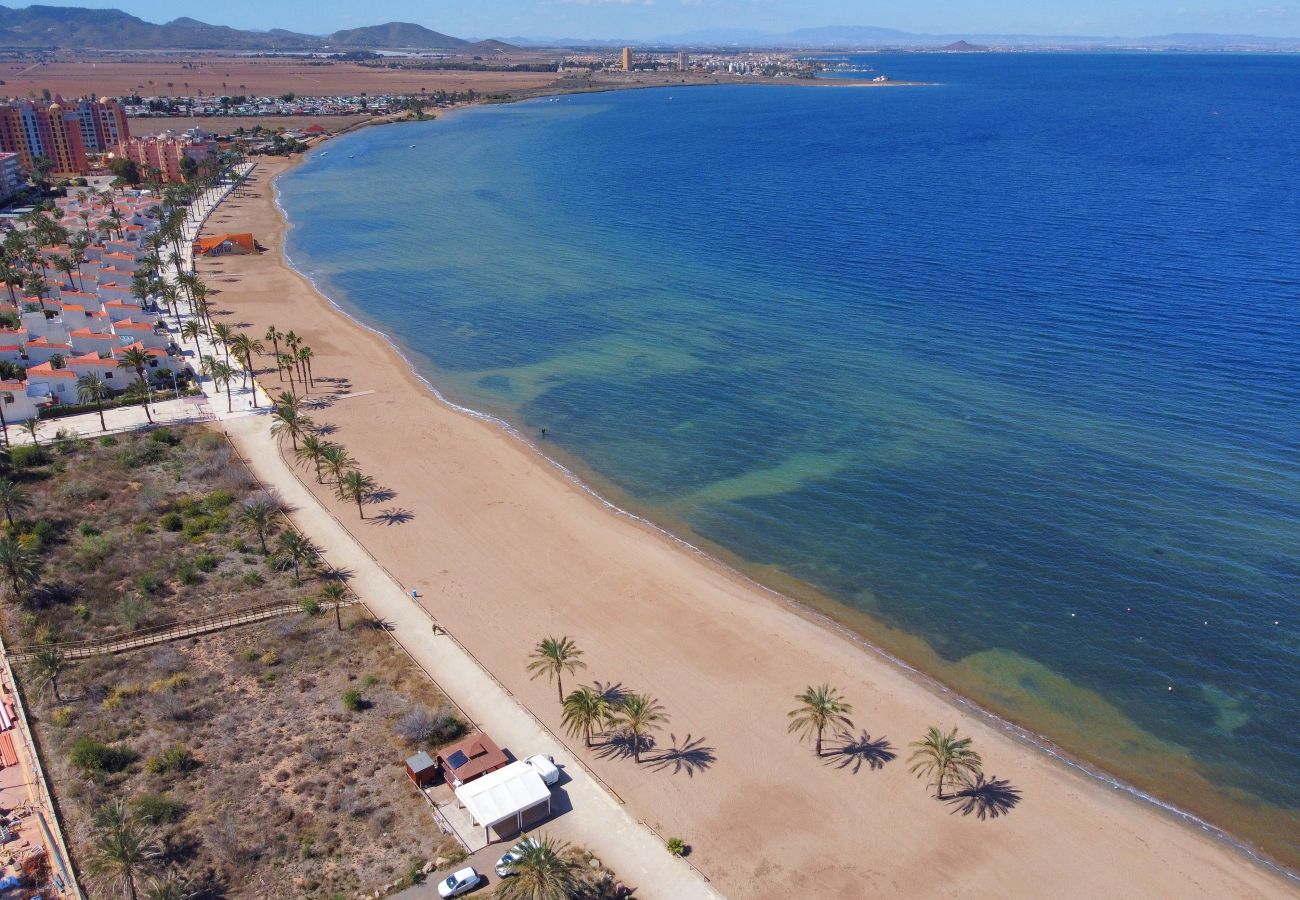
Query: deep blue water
[1011, 363]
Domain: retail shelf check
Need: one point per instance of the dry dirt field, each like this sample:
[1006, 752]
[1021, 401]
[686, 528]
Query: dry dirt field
[236, 751]
[164, 75]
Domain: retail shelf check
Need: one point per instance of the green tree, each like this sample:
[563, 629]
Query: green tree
[335, 593]
[123, 849]
[126, 169]
[32, 427]
[222, 376]
[946, 758]
[637, 715]
[336, 462]
[14, 499]
[542, 870]
[192, 329]
[586, 711]
[91, 389]
[258, 513]
[136, 359]
[18, 564]
[312, 452]
[355, 486]
[553, 657]
[288, 419]
[274, 336]
[48, 664]
[294, 551]
[819, 708]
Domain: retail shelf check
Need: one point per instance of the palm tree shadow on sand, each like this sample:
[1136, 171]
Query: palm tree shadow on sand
[621, 745]
[689, 756]
[987, 798]
[855, 752]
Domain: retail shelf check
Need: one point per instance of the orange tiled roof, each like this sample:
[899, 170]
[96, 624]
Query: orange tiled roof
[207, 245]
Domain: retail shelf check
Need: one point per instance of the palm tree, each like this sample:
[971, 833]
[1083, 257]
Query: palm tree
[313, 451]
[18, 564]
[90, 389]
[337, 461]
[14, 498]
[36, 286]
[123, 848]
[244, 347]
[192, 329]
[259, 513]
[274, 336]
[64, 265]
[136, 358]
[637, 715]
[222, 376]
[818, 709]
[946, 757]
[285, 363]
[553, 657]
[542, 870]
[139, 392]
[586, 711]
[306, 355]
[288, 419]
[293, 551]
[334, 593]
[32, 426]
[47, 666]
[221, 331]
[355, 486]
[304, 360]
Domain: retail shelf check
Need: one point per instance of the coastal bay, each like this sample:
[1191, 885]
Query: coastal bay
[504, 548]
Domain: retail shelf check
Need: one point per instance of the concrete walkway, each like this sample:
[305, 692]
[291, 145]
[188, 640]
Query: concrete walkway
[585, 813]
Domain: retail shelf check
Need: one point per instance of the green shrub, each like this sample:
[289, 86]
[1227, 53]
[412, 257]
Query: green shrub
[172, 521]
[187, 574]
[44, 531]
[158, 809]
[87, 530]
[149, 583]
[188, 505]
[210, 441]
[309, 605]
[249, 655]
[141, 529]
[131, 610]
[197, 526]
[676, 846]
[253, 579]
[239, 545]
[206, 562]
[95, 758]
[94, 550]
[218, 500]
[62, 717]
[175, 759]
[143, 453]
[82, 612]
[107, 440]
[165, 435]
[81, 491]
[27, 456]
[353, 701]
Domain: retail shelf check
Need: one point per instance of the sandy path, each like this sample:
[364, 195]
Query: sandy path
[505, 550]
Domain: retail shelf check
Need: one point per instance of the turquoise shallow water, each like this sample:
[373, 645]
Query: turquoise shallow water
[1008, 363]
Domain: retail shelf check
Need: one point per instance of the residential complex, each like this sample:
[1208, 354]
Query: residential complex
[87, 318]
[65, 132]
[162, 156]
[12, 176]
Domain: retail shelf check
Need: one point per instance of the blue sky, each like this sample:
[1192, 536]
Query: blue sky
[635, 19]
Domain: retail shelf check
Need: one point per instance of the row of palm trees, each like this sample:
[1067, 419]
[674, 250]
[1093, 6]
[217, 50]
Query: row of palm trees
[945, 758]
[333, 464]
[587, 710]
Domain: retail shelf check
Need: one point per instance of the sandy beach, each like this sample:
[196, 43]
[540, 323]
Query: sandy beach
[504, 550]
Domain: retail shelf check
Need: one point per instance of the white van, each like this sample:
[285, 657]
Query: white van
[545, 766]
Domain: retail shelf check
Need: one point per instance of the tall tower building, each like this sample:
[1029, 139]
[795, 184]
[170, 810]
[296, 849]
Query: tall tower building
[64, 132]
[627, 59]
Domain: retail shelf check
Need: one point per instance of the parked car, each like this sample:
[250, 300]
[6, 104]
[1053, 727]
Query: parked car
[545, 766]
[503, 867]
[458, 883]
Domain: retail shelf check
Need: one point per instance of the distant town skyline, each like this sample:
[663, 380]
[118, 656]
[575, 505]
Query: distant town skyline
[649, 19]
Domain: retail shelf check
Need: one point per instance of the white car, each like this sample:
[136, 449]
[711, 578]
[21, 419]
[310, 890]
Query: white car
[511, 857]
[458, 883]
[545, 766]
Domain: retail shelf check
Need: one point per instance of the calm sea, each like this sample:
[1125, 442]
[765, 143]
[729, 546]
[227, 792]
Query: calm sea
[1009, 364]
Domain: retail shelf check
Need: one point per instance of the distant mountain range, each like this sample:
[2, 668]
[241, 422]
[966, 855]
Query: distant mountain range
[111, 29]
[68, 27]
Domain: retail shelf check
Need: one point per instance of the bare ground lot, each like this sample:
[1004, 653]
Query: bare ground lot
[227, 124]
[237, 750]
[187, 75]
